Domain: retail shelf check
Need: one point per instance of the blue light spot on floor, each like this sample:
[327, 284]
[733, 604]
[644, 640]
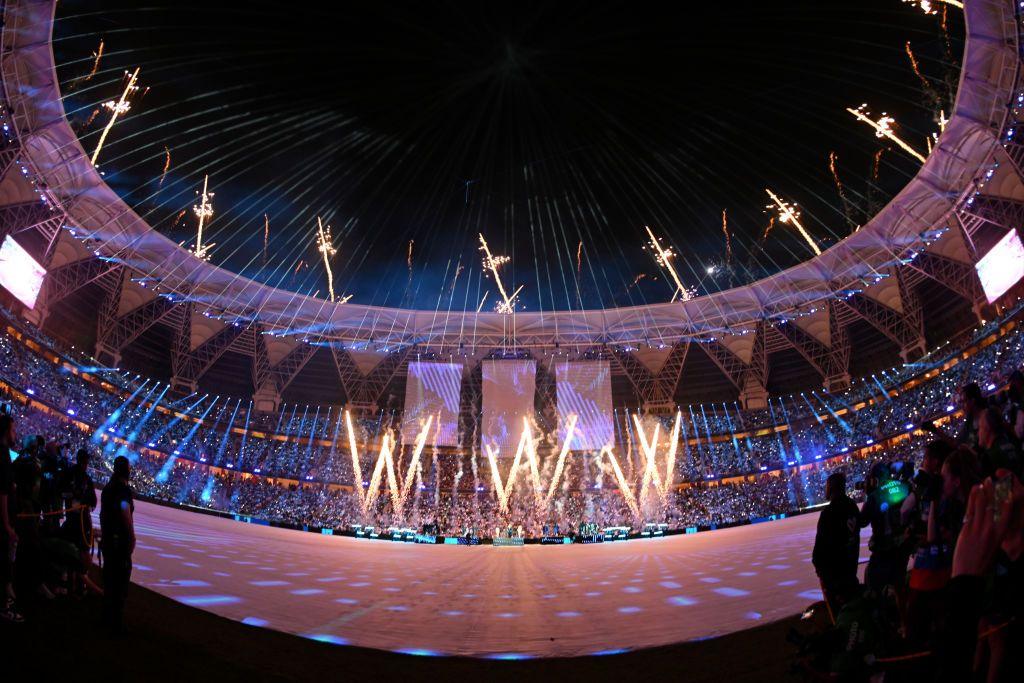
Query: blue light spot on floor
[347, 601]
[509, 656]
[791, 582]
[752, 615]
[615, 651]
[593, 594]
[452, 613]
[549, 596]
[507, 615]
[711, 579]
[329, 579]
[204, 600]
[630, 610]
[670, 584]
[811, 595]
[327, 638]
[732, 592]
[681, 601]
[307, 591]
[190, 583]
[255, 621]
[398, 608]
[265, 584]
[418, 652]
[359, 584]
[632, 589]
[567, 615]
[747, 574]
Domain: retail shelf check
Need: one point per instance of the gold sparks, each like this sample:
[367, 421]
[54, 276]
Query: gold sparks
[408, 256]
[788, 213]
[728, 239]
[203, 211]
[92, 117]
[876, 164]
[167, 165]
[663, 257]
[928, 6]
[491, 262]
[771, 224]
[833, 167]
[325, 245]
[121, 106]
[883, 129]
[97, 56]
[579, 258]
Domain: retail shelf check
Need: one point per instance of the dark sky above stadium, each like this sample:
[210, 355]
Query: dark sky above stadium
[542, 125]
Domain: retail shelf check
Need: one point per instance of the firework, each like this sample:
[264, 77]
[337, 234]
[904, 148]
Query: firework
[883, 129]
[203, 211]
[492, 263]
[788, 213]
[325, 245]
[876, 164]
[116, 109]
[847, 209]
[928, 6]
[767, 230]
[266, 237]
[620, 479]
[482, 300]
[663, 257]
[97, 56]
[728, 240]
[167, 165]
[579, 258]
[570, 429]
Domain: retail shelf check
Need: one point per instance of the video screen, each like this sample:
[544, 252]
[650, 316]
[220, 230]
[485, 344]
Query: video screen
[432, 390]
[509, 388]
[584, 389]
[1002, 267]
[19, 273]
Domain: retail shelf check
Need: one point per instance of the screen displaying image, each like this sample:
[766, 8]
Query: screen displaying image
[509, 387]
[585, 390]
[19, 273]
[1002, 267]
[432, 390]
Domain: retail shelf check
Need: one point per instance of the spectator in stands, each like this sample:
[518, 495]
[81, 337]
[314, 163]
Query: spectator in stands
[8, 535]
[837, 544]
[997, 449]
[882, 511]
[973, 403]
[117, 537]
[1013, 400]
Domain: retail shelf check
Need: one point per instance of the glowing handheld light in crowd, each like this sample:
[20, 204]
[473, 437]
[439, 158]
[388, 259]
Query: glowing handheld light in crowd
[203, 211]
[883, 129]
[663, 256]
[121, 106]
[492, 263]
[928, 6]
[788, 213]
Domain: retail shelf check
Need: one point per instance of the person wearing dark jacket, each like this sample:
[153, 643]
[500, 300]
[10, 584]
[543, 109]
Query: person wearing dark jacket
[837, 544]
[117, 542]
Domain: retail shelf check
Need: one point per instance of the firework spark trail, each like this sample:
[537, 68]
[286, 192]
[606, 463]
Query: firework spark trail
[266, 237]
[767, 230]
[458, 271]
[482, 300]
[325, 245]
[620, 479]
[876, 164]
[932, 93]
[636, 281]
[167, 165]
[928, 6]
[177, 219]
[728, 240]
[408, 257]
[92, 117]
[98, 55]
[664, 258]
[883, 129]
[491, 262]
[789, 214]
[116, 109]
[847, 207]
[203, 211]
[579, 259]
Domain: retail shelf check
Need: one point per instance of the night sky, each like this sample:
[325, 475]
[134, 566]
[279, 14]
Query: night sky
[540, 125]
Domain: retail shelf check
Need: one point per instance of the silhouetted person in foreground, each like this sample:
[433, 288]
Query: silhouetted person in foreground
[837, 544]
[117, 541]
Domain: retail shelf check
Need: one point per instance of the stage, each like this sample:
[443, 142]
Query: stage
[532, 601]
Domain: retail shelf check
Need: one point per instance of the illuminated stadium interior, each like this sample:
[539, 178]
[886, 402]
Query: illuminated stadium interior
[352, 287]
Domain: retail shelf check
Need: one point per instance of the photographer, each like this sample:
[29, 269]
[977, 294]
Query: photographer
[837, 545]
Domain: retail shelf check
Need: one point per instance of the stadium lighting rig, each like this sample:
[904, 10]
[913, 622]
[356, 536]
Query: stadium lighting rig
[788, 213]
[203, 211]
[883, 129]
[121, 106]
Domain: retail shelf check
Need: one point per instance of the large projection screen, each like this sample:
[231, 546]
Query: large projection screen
[509, 387]
[19, 273]
[584, 389]
[1002, 267]
[432, 389]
